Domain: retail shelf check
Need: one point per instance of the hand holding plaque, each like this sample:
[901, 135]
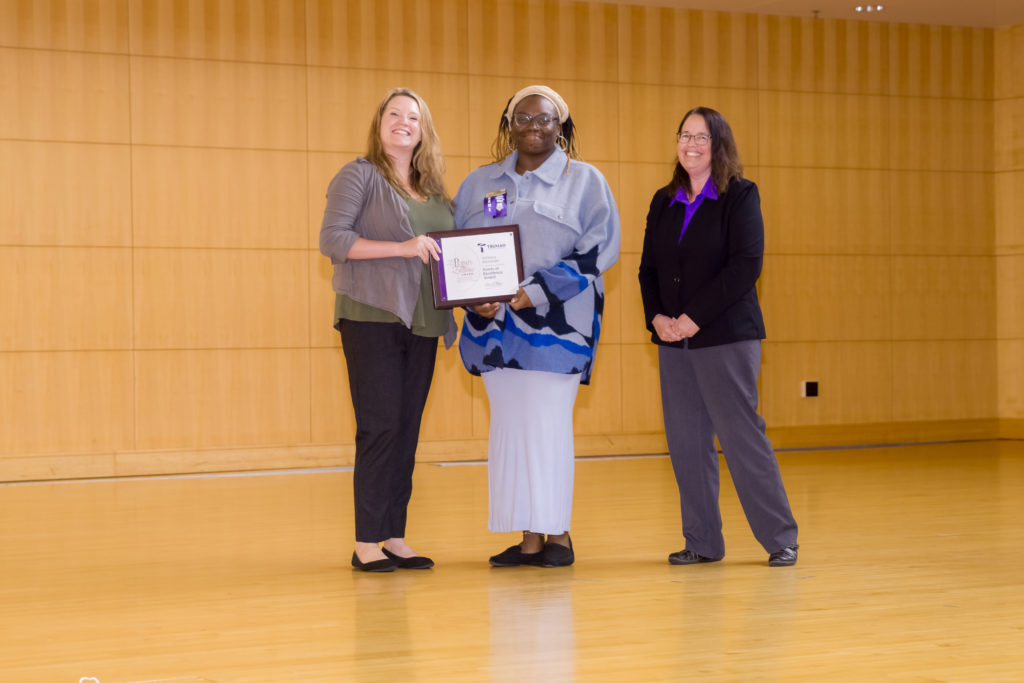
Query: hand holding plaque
[477, 265]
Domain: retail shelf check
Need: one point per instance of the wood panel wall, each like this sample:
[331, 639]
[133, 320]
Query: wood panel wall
[163, 165]
[1009, 247]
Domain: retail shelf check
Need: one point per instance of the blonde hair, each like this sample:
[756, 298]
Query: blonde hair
[426, 172]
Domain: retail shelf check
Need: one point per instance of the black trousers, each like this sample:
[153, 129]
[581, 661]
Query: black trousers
[389, 374]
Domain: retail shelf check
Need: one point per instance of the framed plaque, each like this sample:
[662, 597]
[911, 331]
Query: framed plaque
[477, 265]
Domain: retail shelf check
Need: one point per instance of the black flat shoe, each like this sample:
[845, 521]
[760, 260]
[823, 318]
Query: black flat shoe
[557, 555]
[414, 562]
[783, 558]
[687, 556]
[514, 557]
[384, 565]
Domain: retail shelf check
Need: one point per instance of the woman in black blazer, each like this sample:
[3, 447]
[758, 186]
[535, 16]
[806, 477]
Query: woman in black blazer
[702, 255]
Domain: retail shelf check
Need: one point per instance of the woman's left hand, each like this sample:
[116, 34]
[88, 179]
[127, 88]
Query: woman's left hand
[422, 247]
[520, 300]
[487, 310]
[685, 326]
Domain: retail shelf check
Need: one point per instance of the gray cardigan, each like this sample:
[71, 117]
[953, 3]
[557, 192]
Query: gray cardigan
[361, 203]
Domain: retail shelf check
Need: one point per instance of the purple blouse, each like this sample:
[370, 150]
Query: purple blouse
[709, 190]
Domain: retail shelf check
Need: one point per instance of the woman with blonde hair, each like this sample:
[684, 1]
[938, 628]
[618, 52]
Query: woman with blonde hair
[380, 211]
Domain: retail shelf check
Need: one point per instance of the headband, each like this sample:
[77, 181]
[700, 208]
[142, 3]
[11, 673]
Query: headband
[545, 92]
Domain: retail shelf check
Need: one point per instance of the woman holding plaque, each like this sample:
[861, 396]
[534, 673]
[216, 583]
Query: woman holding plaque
[702, 255]
[534, 351]
[379, 212]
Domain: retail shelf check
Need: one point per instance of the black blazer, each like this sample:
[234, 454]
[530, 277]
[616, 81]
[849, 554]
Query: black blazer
[710, 274]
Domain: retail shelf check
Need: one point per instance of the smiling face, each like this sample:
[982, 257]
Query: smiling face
[693, 156]
[534, 139]
[400, 126]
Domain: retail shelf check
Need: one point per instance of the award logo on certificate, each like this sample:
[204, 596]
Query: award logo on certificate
[477, 265]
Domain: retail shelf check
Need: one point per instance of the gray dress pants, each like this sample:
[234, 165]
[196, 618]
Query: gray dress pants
[713, 391]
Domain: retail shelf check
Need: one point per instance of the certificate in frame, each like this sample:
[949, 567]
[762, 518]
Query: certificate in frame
[477, 265]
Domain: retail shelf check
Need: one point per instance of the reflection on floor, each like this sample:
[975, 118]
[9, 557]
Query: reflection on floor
[910, 568]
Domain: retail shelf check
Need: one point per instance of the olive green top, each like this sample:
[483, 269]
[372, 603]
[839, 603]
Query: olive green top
[424, 217]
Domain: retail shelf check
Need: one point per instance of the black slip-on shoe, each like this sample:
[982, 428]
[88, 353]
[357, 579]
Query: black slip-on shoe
[385, 565]
[514, 557]
[414, 562]
[556, 555]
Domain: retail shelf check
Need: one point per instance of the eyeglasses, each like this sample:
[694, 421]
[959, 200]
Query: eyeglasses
[543, 120]
[700, 140]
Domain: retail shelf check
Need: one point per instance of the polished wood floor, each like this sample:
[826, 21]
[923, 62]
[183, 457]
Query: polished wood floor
[911, 568]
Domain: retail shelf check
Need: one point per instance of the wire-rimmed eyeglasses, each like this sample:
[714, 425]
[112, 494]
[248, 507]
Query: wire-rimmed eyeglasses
[543, 120]
[701, 140]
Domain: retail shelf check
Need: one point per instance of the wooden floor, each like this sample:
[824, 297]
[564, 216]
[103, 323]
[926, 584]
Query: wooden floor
[911, 568]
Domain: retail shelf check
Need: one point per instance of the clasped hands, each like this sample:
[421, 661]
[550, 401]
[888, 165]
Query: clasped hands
[489, 310]
[674, 329]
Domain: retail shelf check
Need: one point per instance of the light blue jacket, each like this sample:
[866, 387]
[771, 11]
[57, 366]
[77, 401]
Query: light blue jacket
[569, 229]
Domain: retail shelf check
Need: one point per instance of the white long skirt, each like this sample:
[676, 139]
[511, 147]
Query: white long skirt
[530, 451]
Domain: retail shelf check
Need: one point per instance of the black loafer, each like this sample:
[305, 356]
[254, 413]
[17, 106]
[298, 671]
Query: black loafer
[385, 565]
[414, 562]
[514, 557]
[783, 558]
[687, 556]
[556, 555]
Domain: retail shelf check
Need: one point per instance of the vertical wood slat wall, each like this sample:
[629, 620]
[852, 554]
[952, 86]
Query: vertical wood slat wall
[1009, 239]
[163, 166]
